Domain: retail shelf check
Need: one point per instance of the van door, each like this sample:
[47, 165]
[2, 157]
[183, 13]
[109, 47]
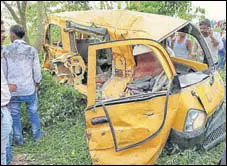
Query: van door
[132, 129]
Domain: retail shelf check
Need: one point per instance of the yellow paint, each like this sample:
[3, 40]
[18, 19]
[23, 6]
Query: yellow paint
[195, 65]
[130, 120]
[131, 124]
[114, 88]
[130, 24]
[216, 92]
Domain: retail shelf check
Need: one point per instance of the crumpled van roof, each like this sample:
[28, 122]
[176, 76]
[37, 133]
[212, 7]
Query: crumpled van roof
[130, 24]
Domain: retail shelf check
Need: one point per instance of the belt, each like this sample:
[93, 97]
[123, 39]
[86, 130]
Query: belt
[3, 106]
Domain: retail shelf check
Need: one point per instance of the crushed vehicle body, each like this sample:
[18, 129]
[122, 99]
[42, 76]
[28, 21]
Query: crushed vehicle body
[139, 97]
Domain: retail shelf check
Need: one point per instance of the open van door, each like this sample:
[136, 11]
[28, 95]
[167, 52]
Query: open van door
[131, 129]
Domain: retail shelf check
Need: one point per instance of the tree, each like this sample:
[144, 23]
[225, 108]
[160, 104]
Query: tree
[62, 6]
[119, 4]
[181, 9]
[40, 25]
[31, 15]
[21, 7]
[109, 4]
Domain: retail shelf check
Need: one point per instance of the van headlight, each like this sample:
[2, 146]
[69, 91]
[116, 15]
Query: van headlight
[194, 120]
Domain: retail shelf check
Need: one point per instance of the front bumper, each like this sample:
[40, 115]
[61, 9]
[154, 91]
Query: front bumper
[207, 137]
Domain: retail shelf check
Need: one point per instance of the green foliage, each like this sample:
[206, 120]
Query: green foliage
[55, 33]
[33, 11]
[62, 6]
[181, 9]
[119, 5]
[56, 103]
[191, 157]
[32, 18]
[223, 74]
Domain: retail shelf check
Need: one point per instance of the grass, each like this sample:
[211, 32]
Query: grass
[64, 144]
[190, 157]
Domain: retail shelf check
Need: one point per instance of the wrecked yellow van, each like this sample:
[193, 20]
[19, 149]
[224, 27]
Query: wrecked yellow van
[139, 94]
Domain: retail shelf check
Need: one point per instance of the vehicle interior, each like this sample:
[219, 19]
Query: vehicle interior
[147, 76]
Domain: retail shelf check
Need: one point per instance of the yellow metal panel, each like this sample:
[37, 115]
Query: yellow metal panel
[211, 96]
[131, 124]
[131, 24]
[196, 65]
[91, 84]
[115, 87]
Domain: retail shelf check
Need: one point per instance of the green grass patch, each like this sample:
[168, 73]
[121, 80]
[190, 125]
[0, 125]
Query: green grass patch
[191, 157]
[62, 144]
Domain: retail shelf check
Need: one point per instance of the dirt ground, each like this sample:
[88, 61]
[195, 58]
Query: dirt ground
[20, 159]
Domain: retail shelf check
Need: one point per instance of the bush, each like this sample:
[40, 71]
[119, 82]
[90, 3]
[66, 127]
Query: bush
[56, 103]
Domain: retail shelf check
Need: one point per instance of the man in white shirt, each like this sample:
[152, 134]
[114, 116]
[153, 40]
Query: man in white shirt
[6, 119]
[212, 39]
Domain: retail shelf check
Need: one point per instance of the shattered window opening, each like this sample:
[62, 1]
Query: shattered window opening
[123, 79]
[54, 36]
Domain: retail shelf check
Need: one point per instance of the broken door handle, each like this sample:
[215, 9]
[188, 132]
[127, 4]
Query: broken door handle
[99, 120]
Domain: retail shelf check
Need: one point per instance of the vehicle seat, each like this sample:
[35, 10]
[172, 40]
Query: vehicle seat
[114, 87]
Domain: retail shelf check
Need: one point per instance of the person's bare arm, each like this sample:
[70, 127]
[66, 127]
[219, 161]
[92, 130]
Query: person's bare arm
[189, 48]
[211, 35]
[214, 41]
[12, 87]
[172, 43]
[173, 39]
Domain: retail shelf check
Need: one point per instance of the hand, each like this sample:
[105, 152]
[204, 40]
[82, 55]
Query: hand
[36, 88]
[210, 32]
[173, 38]
[12, 87]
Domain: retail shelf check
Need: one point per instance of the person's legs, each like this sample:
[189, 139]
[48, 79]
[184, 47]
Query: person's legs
[14, 107]
[6, 128]
[223, 160]
[32, 107]
[9, 152]
[221, 63]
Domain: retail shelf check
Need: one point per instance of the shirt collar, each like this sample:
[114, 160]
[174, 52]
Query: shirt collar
[19, 41]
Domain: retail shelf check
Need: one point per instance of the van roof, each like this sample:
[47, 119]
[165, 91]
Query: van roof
[130, 24]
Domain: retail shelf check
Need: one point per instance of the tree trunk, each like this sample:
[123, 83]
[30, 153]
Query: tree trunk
[12, 12]
[22, 12]
[23, 20]
[40, 25]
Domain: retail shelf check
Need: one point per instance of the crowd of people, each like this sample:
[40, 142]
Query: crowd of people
[216, 24]
[184, 47]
